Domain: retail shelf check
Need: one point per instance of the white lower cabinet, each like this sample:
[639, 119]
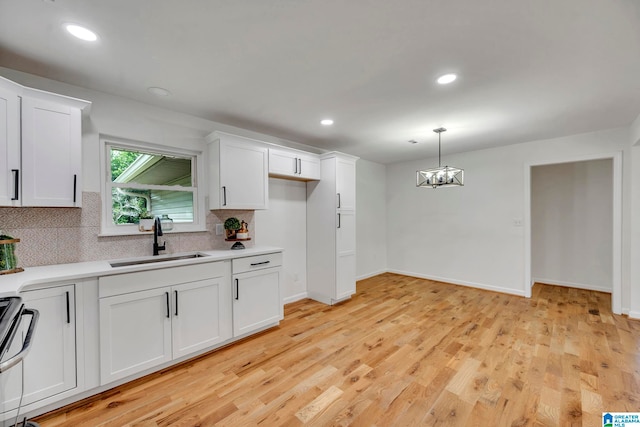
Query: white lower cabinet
[135, 333]
[50, 366]
[257, 301]
[146, 328]
[201, 316]
[129, 323]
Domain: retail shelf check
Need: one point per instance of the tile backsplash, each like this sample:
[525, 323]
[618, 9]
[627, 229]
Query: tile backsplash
[64, 235]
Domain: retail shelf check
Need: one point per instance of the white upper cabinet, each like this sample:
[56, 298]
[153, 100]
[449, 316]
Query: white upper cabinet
[293, 164]
[9, 145]
[51, 154]
[238, 173]
[40, 143]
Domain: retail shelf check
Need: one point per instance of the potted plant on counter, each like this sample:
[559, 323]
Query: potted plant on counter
[146, 221]
[231, 226]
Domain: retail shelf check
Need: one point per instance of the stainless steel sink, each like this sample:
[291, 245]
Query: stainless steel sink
[156, 260]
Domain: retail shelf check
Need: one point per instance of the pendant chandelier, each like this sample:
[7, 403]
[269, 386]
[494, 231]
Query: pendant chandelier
[442, 176]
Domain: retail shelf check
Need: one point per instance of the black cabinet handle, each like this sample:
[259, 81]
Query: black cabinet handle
[339, 201]
[253, 264]
[176, 294]
[168, 308]
[224, 196]
[68, 308]
[237, 289]
[300, 166]
[16, 178]
[296, 162]
[339, 221]
[75, 186]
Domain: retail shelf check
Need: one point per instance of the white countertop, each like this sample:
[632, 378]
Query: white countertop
[12, 284]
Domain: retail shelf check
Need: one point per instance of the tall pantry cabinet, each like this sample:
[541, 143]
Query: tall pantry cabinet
[331, 230]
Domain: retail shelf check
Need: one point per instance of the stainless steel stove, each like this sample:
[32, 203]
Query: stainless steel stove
[12, 311]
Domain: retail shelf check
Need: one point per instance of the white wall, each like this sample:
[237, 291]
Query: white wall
[571, 224]
[371, 219]
[284, 224]
[635, 230]
[470, 235]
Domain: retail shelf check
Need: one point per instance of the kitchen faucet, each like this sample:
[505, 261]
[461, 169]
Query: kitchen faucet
[157, 231]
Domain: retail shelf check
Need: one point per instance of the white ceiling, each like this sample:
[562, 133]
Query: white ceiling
[528, 70]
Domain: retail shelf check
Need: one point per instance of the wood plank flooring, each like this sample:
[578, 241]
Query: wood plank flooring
[402, 352]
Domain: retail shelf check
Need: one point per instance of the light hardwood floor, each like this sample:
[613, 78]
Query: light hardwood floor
[402, 352]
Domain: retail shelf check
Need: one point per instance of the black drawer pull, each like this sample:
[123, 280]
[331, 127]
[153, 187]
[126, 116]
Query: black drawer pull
[253, 264]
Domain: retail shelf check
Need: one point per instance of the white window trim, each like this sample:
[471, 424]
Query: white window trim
[107, 228]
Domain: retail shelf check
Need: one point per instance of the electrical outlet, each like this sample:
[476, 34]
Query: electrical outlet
[219, 229]
[517, 222]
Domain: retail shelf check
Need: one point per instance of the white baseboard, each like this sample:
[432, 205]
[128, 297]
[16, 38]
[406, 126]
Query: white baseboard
[486, 287]
[296, 297]
[633, 314]
[571, 284]
[366, 276]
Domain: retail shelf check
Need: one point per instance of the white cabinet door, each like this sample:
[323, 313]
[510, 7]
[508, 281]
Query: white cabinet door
[50, 366]
[346, 255]
[51, 154]
[135, 333]
[345, 276]
[9, 147]
[346, 184]
[256, 300]
[309, 167]
[293, 164]
[282, 163]
[239, 174]
[201, 315]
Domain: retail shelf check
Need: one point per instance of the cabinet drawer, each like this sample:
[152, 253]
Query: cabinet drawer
[151, 279]
[256, 262]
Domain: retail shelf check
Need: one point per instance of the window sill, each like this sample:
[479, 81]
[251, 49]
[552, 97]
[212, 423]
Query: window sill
[149, 233]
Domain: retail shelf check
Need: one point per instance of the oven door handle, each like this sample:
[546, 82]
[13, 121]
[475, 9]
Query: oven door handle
[26, 345]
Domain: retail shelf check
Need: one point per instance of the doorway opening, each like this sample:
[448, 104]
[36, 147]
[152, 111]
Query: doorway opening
[573, 231]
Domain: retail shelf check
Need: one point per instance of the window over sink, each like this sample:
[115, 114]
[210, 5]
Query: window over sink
[142, 180]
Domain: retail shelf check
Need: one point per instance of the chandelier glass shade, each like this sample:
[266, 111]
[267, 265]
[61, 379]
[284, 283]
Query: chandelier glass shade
[442, 176]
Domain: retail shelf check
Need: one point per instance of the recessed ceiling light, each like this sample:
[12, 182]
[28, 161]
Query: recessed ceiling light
[446, 79]
[326, 122]
[81, 32]
[159, 91]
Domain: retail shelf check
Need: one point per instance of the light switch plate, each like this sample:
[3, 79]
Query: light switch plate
[219, 229]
